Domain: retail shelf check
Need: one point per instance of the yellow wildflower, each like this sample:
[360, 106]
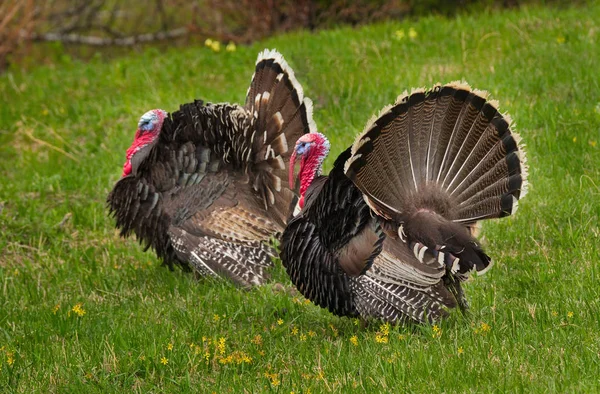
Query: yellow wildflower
[574, 139]
[230, 47]
[208, 42]
[311, 334]
[45, 112]
[412, 33]
[303, 337]
[56, 308]
[78, 309]
[216, 317]
[354, 340]
[569, 314]
[10, 360]
[16, 272]
[399, 34]
[164, 360]
[560, 39]
[279, 321]
[592, 143]
[295, 331]
[384, 329]
[142, 357]
[460, 350]
[170, 346]
[216, 46]
[221, 345]
[485, 327]
[554, 313]
[381, 338]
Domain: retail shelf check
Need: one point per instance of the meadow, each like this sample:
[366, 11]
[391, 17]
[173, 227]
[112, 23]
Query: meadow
[82, 310]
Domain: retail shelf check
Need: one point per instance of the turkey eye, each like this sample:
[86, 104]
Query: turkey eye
[146, 124]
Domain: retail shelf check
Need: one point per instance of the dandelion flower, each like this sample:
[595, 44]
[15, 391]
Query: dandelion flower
[279, 321]
[208, 42]
[216, 317]
[230, 47]
[354, 340]
[569, 314]
[460, 350]
[295, 331]
[311, 333]
[303, 337]
[164, 360]
[170, 346]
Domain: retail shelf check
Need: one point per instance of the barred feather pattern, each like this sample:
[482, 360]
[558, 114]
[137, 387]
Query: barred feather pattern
[428, 168]
[207, 194]
[463, 164]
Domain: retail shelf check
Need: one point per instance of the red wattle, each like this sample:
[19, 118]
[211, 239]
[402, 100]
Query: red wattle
[140, 140]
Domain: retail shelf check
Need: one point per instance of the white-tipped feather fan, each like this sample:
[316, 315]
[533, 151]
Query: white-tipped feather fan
[401, 206]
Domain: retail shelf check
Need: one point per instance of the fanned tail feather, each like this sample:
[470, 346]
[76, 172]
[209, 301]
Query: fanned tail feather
[439, 160]
[280, 114]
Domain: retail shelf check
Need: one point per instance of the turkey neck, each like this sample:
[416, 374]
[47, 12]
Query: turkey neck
[311, 167]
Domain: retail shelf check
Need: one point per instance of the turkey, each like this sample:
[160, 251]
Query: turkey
[203, 186]
[390, 233]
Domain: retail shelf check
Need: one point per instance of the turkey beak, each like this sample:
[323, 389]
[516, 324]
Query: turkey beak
[292, 164]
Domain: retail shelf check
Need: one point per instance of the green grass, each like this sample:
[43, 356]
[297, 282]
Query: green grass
[534, 324]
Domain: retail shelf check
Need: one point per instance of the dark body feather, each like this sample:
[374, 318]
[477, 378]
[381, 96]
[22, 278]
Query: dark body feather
[208, 193]
[387, 234]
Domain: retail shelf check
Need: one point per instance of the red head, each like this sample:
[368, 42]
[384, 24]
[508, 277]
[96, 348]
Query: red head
[313, 147]
[148, 130]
